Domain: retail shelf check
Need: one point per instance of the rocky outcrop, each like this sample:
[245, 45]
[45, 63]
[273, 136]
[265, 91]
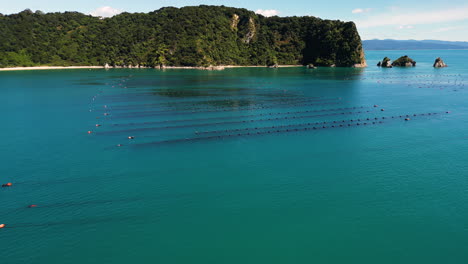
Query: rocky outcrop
[235, 21]
[311, 66]
[404, 61]
[363, 63]
[385, 63]
[252, 31]
[439, 63]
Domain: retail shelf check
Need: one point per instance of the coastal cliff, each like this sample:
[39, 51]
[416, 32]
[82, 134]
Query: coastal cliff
[188, 36]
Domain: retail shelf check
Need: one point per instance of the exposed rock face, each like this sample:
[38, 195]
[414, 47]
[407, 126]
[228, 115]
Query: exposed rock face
[311, 66]
[252, 31]
[235, 21]
[363, 63]
[404, 61]
[273, 66]
[439, 63]
[106, 66]
[385, 63]
[215, 68]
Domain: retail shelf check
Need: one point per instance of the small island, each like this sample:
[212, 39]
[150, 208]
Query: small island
[439, 63]
[404, 61]
[385, 63]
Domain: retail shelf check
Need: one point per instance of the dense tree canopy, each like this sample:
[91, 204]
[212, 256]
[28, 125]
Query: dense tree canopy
[188, 36]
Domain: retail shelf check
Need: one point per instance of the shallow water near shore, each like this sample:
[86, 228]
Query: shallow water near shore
[244, 165]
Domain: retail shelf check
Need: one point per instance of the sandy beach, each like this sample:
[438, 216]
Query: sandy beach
[120, 67]
[50, 68]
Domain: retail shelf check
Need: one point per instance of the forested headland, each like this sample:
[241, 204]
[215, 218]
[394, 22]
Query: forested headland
[188, 36]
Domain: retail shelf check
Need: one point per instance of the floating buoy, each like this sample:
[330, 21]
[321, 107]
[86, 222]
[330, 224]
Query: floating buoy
[2, 226]
[7, 184]
[382, 109]
[119, 145]
[131, 137]
[407, 119]
[106, 114]
[98, 125]
[89, 132]
[376, 106]
[32, 206]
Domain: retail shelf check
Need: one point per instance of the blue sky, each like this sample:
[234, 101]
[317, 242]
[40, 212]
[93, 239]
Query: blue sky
[396, 19]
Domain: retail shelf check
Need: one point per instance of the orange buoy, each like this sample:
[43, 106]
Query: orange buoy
[2, 226]
[7, 184]
[89, 132]
[32, 206]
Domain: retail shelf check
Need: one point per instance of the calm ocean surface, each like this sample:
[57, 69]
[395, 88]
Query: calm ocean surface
[226, 166]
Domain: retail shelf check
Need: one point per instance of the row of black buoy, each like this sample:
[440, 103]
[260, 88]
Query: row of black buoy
[240, 116]
[229, 122]
[254, 134]
[198, 102]
[222, 110]
[306, 127]
[406, 117]
[226, 108]
[236, 104]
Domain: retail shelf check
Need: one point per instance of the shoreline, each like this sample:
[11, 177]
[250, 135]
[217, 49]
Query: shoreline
[50, 68]
[121, 67]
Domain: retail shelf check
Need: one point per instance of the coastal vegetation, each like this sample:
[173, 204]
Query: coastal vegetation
[188, 36]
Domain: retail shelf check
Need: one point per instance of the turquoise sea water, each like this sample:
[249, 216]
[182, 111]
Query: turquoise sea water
[226, 166]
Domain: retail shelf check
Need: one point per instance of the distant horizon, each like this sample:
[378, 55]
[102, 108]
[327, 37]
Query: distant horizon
[418, 40]
[400, 20]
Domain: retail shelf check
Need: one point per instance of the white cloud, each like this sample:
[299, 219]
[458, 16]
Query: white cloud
[445, 29]
[105, 11]
[414, 18]
[360, 10]
[267, 12]
[405, 27]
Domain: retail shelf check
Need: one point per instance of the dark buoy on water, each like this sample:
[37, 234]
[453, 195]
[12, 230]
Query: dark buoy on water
[98, 125]
[407, 119]
[119, 145]
[382, 109]
[7, 184]
[131, 137]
